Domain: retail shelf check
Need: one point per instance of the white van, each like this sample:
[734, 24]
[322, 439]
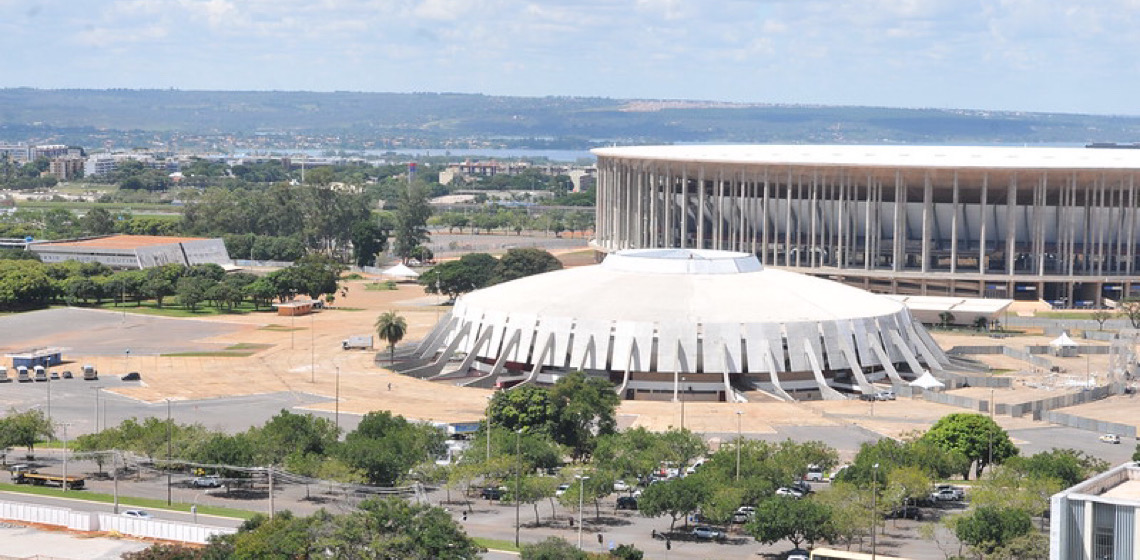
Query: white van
[22, 374]
[4, 375]
[41, 373]
[89, 373]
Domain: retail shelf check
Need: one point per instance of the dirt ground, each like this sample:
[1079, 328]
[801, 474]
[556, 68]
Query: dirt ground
[303, 355]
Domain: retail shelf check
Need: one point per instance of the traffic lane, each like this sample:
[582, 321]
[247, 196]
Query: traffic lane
[78, 504]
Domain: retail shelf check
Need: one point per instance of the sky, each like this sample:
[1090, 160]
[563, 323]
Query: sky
[1072, 56]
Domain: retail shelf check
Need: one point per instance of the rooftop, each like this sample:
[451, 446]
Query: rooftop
[979, 157]
[121, 242]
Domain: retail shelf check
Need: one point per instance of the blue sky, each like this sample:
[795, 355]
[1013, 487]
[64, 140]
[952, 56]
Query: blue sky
[1032, 55]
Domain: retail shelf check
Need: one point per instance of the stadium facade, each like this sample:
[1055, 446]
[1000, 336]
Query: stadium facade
[1059, 224]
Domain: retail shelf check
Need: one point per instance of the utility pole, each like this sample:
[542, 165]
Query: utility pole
[682, 404]
[337, 400]
[271, 491]
[488, 427]
[874, 510]
[581, 502]
[115, 475]
[312, 347]
[64, 425]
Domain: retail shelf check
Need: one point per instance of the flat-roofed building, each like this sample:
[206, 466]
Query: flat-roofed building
[1097, 519]
[136, 251]
[1058, 224]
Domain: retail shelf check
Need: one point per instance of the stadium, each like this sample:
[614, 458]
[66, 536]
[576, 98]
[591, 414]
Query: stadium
[1055, 224]
[714, 325]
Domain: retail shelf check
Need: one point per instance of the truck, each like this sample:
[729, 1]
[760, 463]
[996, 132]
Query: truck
[21, 474]
[363, 342]
[89, 373]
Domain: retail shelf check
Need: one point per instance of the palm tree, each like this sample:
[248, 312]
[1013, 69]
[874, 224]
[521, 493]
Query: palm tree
[391, 327]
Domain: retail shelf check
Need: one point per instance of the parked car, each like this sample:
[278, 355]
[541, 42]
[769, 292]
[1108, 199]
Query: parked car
[627, 502]
[562, 488]
[206, 482]
[491, 493]
[1110, 438]
[67, 374]
[797, 554]
[789, 492]
[54, 375]
[743, 514]
[885, 396]
[132, 376]
[707, 533]
[906, 512]
[621, 486]
[946, 495]
[814, 473]
[802, 486]
[138, 514]
[957, 491]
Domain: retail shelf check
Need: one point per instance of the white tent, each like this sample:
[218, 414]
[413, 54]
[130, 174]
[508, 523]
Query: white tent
[1063, 346]
[401, 271]
[927, 382]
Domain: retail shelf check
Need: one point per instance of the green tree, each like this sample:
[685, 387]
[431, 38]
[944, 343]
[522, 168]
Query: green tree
[520, 262]
[1068, 466]
[165, 552]
[386, 447]
[25, 429]
[586, 408]
[527, 407]
[288, 433]
[97, 221]
[988, 528]
[797, 521]
[392, 328]
[1136, 453]
[368, 240]
[552, 548]
[677, 498]
[851, 512]
[412, 213]
[976, 436]
[1130, 307]
[192, 291]
[395, 528]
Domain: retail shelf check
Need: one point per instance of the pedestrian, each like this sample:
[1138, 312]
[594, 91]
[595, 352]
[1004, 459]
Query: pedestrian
[389, 386]
[600, 539]
[654, 534]
[668, 544]
[571, 522]
[465, 516]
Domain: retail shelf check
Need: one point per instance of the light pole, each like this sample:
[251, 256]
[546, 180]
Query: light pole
[337, 399]
[739, 440]
[581, 502]
[50, 423]
[682, 403]
[874, 504]
[518, 480]
[312, 347]
[96, 418]
[489, 427]
[64, 426]
[169, 436]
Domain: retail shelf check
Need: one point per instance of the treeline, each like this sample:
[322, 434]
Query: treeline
[380, 451]
[26, 177]
[514, 220]
[474, 271]
[27, 283]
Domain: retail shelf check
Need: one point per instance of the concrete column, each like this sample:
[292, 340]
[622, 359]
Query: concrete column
[1011, 224]
[954, 229]
[684, 207]
[701, 206]
[765, 225]
[898, 247]
[982, 225]
[927, 220]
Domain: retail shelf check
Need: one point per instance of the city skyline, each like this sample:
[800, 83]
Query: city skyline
[1017, 55]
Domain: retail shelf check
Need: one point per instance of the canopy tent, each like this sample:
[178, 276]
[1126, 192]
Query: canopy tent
[927, 382]
[1063, 340]
[401, 271]
[1063, 346]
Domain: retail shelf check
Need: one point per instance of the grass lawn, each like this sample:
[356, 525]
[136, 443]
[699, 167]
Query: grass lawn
[148, 503]
[110, 207]
[240, 350]
[172, 309]
[1064, 315]
[279, 328]
[380, 286]
[496, 544]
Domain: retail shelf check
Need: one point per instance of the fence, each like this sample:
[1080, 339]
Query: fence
[1082, 423]
[1038, 407]
[90, 521]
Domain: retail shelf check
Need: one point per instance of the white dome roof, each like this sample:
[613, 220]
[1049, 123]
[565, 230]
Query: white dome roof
[681, 285]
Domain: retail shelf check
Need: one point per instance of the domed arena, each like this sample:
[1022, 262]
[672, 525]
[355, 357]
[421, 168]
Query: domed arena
[715, 325]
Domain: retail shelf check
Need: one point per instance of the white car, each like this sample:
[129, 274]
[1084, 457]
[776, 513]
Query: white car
[1110, 438]
[789, 492]
[947, 494]
[621, 486]
[562, 488]
[814, 473]
[138, 514]
[707, 533]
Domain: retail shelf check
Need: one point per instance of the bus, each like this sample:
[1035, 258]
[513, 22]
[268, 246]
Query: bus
[832, 554]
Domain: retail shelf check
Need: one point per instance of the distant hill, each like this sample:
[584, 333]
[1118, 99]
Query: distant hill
[355, 119]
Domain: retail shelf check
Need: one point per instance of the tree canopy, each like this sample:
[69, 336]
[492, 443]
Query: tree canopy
[975, 436]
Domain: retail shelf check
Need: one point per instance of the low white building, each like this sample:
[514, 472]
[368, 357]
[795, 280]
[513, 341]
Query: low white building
[1097, 519]
[136, 251]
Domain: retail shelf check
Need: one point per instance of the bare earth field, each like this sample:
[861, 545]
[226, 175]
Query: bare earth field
[303, 355]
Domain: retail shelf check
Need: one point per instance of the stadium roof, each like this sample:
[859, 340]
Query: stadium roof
[122, 241]
[979, 157]
[687, 285]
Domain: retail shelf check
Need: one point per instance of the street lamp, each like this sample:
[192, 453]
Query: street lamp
[337, 399]
[874, 498]
[64, 426]
[169, 436]
[682, 404]
[312, 347]
[739, 440]
[489, 427]
[581, 503]
[518, 477]
[96, 418]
